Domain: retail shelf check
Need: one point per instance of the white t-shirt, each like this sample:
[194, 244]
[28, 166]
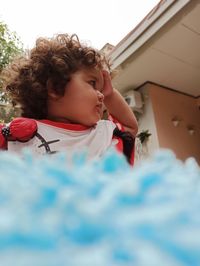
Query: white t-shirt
[52, 137]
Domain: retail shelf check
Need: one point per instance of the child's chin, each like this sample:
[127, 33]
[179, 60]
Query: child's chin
[93, 123]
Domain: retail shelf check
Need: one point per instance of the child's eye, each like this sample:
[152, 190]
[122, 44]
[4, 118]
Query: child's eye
[92, 83]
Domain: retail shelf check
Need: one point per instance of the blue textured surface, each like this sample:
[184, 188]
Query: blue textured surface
[99, 213]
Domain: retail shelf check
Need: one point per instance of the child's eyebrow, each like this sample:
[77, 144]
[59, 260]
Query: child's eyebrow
[93, 77]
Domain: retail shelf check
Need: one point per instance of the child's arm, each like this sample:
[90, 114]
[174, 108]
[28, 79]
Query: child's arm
[117, 106]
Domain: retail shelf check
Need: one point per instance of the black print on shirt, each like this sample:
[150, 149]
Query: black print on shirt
[46, 143]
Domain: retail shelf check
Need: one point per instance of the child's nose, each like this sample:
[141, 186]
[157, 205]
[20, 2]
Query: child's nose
[100, 96]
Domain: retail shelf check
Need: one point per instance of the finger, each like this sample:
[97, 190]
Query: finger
[105, 73]
[106, 77]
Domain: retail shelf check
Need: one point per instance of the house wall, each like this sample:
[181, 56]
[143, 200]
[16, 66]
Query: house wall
[168, 104]
[146, 121]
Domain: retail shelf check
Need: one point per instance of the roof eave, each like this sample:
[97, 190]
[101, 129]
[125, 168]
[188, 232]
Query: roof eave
[153, 22]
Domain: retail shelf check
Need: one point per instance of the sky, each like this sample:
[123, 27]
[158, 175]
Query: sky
[96, 22]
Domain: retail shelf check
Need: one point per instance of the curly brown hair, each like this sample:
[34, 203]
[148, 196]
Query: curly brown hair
[49, 65]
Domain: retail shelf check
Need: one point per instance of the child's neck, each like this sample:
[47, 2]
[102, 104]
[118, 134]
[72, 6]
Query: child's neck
[60, 120]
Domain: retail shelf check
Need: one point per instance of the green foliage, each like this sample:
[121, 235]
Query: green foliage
[144, 135]
[7, 113]
[10, 46]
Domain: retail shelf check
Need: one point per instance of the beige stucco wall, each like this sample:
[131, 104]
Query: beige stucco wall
[146, 121]
[167, 104]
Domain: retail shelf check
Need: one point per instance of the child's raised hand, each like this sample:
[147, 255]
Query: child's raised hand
[107, 84]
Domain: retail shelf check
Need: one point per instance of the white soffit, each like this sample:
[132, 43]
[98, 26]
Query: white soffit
[146, 31]
[171, 58]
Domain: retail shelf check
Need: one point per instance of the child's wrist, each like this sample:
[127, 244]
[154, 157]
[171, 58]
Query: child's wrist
[109, 95]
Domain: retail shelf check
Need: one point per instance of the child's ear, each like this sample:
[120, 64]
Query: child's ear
[51, 92]
[53, 95]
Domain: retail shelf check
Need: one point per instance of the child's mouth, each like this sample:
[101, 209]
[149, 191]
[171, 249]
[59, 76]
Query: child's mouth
[99, 108]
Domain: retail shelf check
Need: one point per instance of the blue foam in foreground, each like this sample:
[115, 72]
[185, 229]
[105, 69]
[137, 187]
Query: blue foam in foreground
[99, 213]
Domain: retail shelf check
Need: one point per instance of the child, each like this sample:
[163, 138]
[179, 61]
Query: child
[61, 88]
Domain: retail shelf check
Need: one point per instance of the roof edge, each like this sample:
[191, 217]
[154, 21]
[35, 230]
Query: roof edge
[154, 20]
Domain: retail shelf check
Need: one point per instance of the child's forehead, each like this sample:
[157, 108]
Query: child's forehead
[94, 73]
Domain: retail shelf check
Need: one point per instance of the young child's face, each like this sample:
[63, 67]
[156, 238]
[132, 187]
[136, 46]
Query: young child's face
[82, 102]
